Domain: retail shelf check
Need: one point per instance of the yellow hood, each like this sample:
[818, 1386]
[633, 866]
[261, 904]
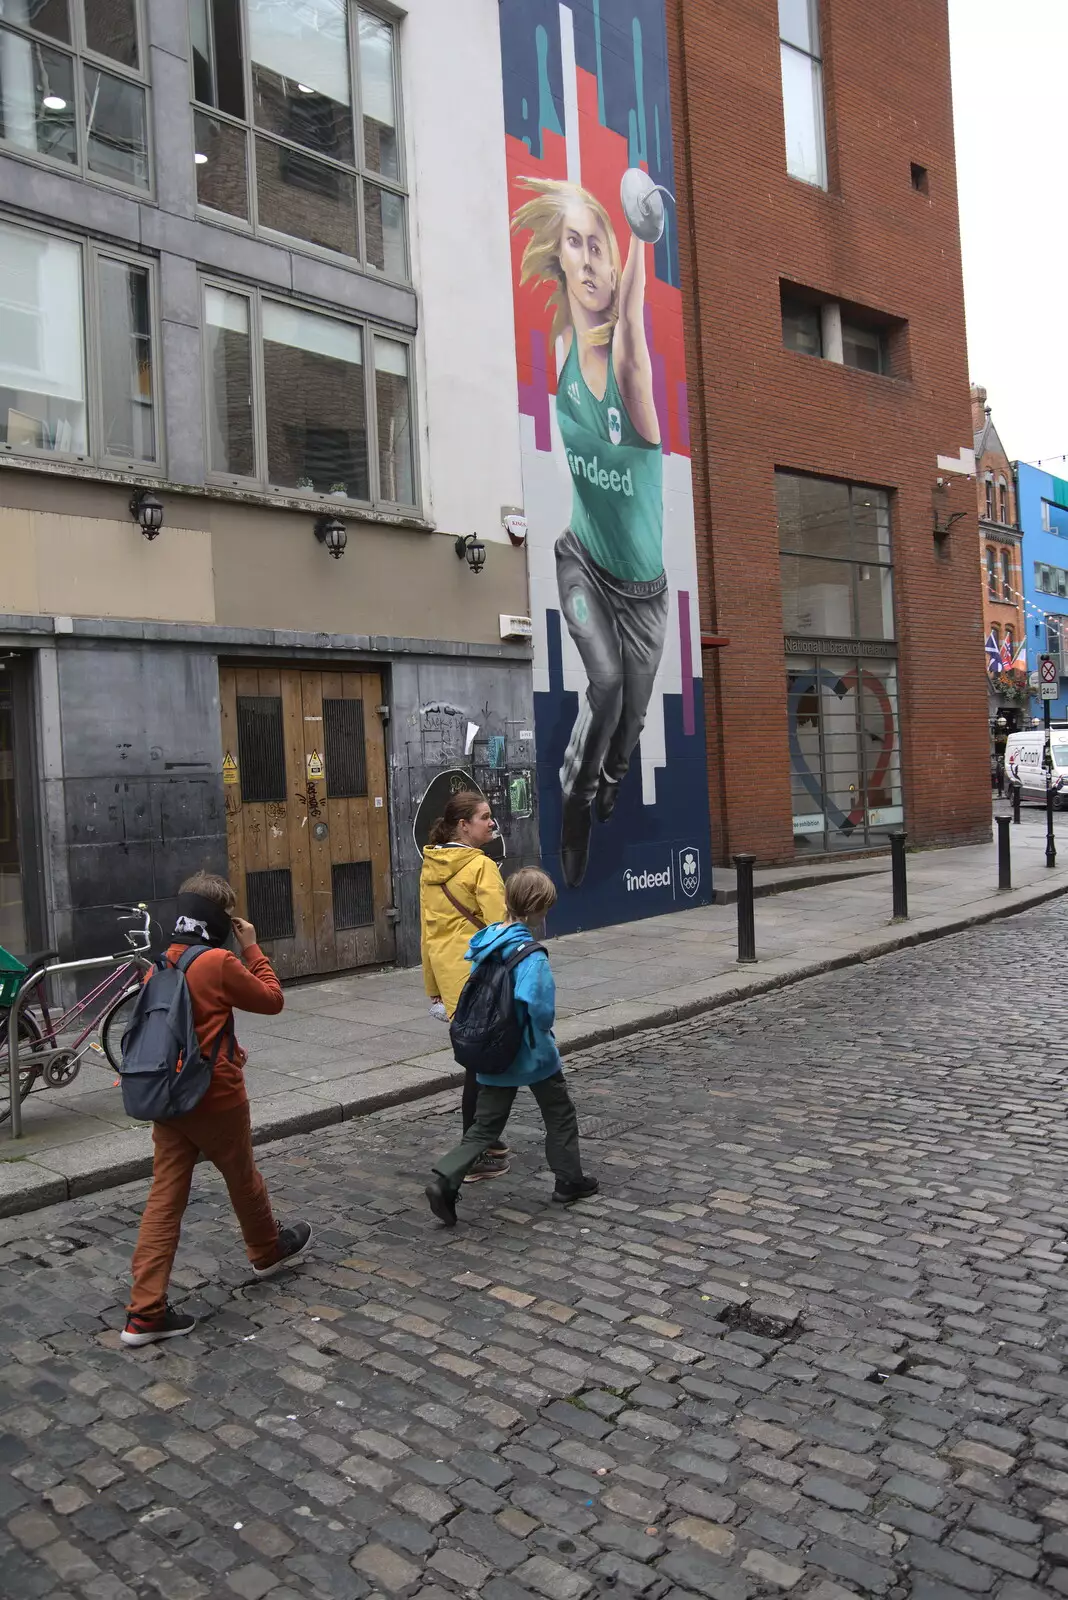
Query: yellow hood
[442, 862]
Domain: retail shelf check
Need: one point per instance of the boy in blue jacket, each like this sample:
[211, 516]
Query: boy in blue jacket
[529, 896]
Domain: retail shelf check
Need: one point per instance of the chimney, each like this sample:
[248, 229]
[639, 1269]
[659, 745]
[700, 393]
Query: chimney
[980, 409]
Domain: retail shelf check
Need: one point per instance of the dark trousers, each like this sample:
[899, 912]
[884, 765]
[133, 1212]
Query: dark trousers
[494, 1106]
[619, 631]
[469, 1103]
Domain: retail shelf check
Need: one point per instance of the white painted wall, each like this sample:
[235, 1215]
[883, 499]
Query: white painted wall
[461, 263]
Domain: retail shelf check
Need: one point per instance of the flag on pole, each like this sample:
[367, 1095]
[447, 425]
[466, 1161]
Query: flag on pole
[1019, 660]
[993, 653]
[1006, 654]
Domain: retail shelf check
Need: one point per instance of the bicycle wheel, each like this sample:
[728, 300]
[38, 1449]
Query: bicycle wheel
[29, 1038]
[115, 1024]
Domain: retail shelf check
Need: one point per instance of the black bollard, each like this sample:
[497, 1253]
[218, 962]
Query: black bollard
[1004, 853]
[897, 871]
[746, 919]
[1017, 796]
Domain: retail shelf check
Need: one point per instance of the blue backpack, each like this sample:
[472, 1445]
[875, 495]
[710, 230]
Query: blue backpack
[163, 1072]
[486, 1032]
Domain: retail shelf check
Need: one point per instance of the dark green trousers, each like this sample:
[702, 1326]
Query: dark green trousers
[494, 1105]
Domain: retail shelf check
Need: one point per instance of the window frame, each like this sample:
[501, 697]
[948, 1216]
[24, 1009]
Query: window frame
[1006, 574]
[83, 56]
[818, 80]
[358, 171]
[857, 334]
[991, 573]
[854, 561]
[92, 251]
[256, 294]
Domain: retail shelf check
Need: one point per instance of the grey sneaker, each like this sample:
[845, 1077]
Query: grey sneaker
[487, 1166]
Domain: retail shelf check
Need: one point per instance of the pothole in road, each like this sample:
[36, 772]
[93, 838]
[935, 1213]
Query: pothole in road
[763, 1322]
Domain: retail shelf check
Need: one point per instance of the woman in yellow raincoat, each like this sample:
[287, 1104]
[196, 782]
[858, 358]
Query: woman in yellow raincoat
[460, 891]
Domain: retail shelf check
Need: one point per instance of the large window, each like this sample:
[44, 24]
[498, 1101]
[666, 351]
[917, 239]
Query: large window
[1051, 580]
[845, 763]
[802, 90]
[991, 573]
[307, 403]
[834, 540]
[77, 367]
[72, 86]
[1006, 575]
[842, 702]
[297, 124]
[864, 348]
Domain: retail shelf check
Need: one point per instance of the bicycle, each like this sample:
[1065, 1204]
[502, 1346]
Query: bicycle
[50, 1062]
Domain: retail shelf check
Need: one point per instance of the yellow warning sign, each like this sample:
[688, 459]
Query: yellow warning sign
[230, 772]
[315, 765]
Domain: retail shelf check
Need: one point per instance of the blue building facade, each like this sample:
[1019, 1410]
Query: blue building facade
[1042, 502]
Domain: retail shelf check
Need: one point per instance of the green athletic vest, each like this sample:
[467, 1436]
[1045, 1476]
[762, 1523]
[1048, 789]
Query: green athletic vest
[618, 477]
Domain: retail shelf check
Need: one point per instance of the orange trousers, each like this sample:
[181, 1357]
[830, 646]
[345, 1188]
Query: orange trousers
[225, 1139]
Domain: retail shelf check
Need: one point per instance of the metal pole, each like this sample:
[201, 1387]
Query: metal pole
[1017, 796]
[13, 1017]
[897, 870]
[746, 917]
[1004, 853]
[1051, 848]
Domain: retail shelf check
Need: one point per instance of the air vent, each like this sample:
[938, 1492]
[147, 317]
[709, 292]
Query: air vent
[345, 749]
[269, 896]
[354, 895]
[261, 748]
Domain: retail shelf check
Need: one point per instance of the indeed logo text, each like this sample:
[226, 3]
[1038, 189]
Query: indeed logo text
[593, 472]
[647, 880]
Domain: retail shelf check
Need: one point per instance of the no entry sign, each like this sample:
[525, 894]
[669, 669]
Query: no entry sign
[1048, 680]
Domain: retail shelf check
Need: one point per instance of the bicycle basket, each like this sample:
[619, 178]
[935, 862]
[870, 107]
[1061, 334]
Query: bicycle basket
[12, 973]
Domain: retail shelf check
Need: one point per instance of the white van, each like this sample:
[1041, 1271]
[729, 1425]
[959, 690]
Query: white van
[1024, 754]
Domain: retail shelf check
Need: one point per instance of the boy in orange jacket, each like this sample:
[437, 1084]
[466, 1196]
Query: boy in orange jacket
[220, 1127]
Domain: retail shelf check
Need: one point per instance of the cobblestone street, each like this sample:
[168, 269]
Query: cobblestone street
[809, 1339]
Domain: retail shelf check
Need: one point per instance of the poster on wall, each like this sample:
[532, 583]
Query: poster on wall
[621, 775]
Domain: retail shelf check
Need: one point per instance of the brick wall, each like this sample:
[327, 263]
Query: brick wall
[874, 240]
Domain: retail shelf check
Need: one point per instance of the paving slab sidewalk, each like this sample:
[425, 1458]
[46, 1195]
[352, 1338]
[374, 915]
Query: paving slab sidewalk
[347, 1046]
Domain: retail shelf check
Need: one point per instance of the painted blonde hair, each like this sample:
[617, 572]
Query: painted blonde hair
[544, 218]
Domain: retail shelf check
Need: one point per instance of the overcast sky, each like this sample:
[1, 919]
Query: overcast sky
[1010, 63]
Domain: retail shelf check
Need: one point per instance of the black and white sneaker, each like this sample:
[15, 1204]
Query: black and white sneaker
[292, 1246]
[149, 1330]
[565, 1194]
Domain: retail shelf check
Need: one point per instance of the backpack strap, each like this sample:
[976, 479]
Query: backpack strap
[189, 955]
[528, 949]
[184, 962]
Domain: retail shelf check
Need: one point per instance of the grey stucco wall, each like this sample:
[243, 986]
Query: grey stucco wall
[141, 784]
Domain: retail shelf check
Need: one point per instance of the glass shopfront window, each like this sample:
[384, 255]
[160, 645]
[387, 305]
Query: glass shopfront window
[842, 686]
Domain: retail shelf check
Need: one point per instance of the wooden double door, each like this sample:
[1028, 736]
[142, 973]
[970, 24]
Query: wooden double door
[307, 820]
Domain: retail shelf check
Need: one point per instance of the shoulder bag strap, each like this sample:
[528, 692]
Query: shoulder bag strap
[468, 916]
[521, 954]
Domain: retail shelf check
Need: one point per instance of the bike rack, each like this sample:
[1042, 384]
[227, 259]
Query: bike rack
[26, 988]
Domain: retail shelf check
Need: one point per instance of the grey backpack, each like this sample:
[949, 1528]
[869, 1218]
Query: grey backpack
[163, 1072]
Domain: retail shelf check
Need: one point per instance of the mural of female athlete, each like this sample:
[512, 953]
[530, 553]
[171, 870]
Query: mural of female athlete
[609, 561]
